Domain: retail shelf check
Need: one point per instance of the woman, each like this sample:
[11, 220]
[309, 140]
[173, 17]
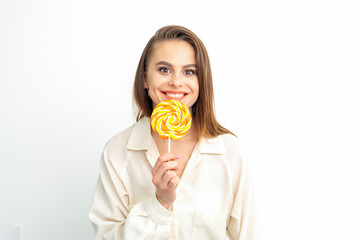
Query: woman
[198, 191]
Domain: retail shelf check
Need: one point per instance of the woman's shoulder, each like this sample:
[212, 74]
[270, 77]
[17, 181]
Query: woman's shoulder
[120, 140]
[231, 143]
[235, 153]
[233, 147]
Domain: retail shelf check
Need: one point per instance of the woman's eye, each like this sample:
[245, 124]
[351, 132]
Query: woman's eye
[190, 72]
[164, 70]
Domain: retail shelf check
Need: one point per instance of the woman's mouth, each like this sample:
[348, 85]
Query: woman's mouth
[174, 95]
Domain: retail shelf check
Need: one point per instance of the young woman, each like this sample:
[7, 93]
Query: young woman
[198, 191]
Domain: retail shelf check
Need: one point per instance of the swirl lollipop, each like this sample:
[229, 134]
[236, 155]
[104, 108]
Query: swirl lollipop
[171, 119]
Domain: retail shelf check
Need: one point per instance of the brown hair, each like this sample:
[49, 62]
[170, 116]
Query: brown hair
[203, 109]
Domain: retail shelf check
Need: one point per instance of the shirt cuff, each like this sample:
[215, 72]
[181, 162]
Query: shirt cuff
[157, 211]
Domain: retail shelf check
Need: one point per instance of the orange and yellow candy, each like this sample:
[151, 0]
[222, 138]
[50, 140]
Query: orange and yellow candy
[171, 118]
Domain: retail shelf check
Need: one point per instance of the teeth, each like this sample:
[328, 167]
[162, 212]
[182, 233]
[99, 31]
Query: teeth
[175, 95]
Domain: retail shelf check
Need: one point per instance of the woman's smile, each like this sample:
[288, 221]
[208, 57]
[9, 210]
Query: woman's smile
[174, 95]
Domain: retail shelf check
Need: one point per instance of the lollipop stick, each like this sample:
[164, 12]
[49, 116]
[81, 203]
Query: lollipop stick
[169, 144]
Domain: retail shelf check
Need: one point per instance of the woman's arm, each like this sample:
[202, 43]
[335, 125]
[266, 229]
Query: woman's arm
[241, 225]
[112, 216]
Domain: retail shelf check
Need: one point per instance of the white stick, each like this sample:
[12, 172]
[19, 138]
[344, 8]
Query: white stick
[169, 144]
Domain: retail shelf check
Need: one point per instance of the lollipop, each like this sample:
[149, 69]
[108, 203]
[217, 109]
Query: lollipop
[171, 119]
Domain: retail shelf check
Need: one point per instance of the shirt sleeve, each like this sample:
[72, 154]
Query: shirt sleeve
[112, 216]
[241, 225]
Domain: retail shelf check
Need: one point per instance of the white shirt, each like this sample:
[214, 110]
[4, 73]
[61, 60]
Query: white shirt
[213, 197]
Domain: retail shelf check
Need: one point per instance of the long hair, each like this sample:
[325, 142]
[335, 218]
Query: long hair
[203, 109]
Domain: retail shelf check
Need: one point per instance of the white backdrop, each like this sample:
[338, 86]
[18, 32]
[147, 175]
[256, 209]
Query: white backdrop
[286, 76]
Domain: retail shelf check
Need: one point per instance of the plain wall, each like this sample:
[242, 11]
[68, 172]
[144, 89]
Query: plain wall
[286, 78]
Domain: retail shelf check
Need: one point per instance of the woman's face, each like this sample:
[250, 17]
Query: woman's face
[171, 73]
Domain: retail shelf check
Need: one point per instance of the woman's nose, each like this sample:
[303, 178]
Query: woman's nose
[176, 80]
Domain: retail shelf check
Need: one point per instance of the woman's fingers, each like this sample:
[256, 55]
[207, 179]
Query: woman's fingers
[174, 182]
[166, 180]
[166, 166]
[161, 160]
[164, 170]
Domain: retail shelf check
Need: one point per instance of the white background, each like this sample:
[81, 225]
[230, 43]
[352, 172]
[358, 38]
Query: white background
[286, 76]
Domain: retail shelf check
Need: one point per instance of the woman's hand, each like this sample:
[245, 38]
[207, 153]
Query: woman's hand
[165, 179]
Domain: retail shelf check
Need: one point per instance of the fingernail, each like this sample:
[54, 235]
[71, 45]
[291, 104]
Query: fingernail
[177, 157]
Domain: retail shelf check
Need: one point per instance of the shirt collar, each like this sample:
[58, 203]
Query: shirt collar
[141, 139]
[212, 145]
[140, 136]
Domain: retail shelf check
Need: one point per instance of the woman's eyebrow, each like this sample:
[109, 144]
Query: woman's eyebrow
[164, 63]
[190, 65]
[170, 65]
